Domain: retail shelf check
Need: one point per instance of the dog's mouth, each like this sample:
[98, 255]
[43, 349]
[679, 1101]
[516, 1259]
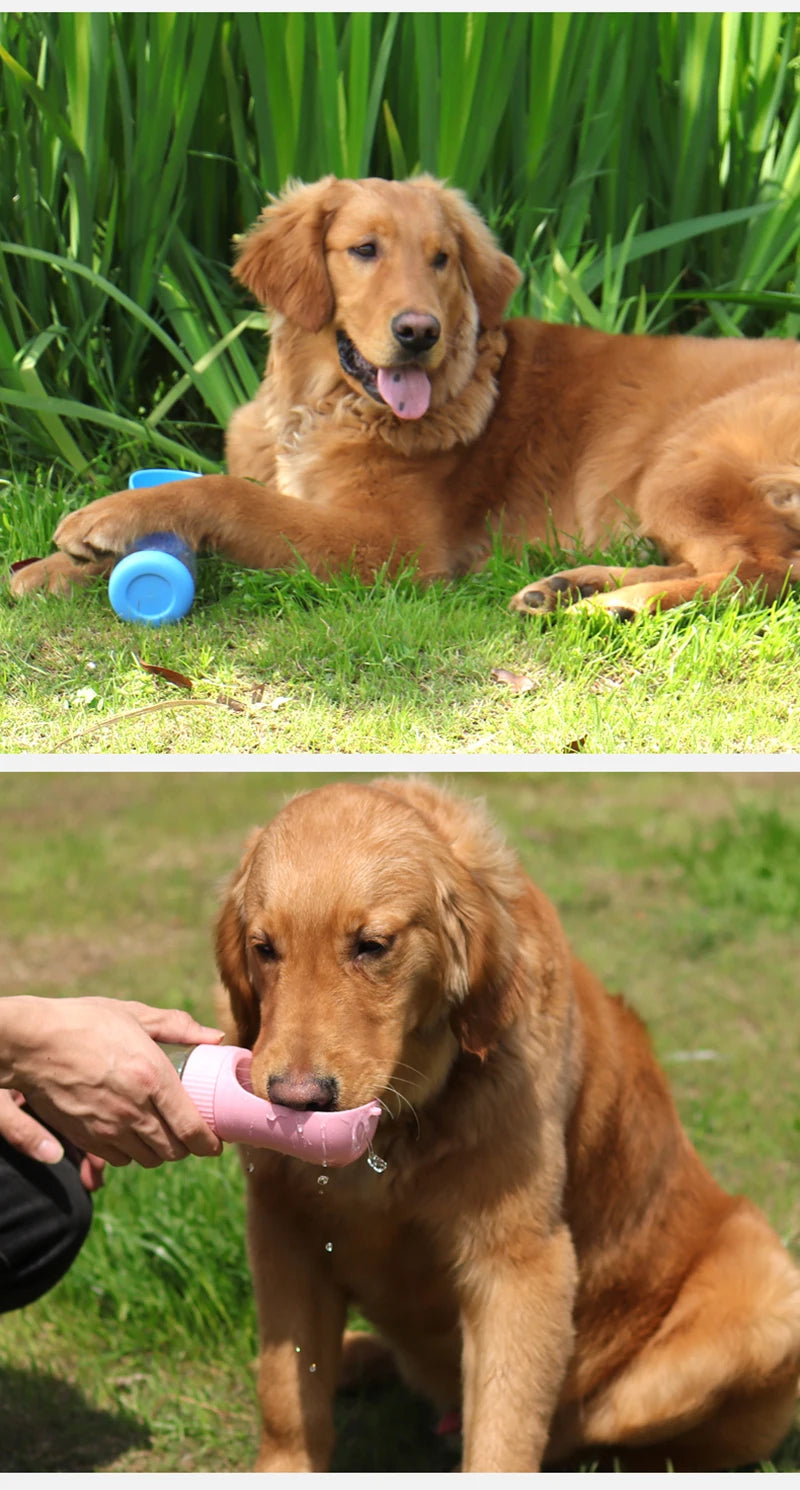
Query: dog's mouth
[405, 388]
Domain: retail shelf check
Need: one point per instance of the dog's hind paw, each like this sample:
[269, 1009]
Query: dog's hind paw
[558, 591]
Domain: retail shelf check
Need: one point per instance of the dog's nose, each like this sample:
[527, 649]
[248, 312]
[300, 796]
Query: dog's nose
[305, 1093]
[415, 332]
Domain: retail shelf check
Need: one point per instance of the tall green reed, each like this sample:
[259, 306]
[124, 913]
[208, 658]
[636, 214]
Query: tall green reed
[633, 164]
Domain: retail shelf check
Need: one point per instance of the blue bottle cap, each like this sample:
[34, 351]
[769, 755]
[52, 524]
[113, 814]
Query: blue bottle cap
[151, 587]
[156, 475]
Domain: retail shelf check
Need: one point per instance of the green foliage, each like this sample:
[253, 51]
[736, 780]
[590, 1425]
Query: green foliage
[627, 161]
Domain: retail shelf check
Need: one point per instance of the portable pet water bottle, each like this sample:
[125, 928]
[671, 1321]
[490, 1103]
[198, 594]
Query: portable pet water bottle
[217, 1078]
[154, 582]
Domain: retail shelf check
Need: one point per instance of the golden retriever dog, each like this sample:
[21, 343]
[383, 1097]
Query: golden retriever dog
[544, 1250]
[402, 417]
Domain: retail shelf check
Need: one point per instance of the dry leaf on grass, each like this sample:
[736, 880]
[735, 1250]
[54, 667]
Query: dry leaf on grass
[180, 680]
[517, 682]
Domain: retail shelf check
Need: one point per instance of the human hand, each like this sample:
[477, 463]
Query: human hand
[89, 1067]
[92, 1172]
[23, 1132]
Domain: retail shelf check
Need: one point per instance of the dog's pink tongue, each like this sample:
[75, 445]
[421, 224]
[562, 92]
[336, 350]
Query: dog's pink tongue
[406, 390]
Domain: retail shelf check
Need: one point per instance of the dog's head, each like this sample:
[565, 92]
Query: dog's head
[399, 275]
[366, 938]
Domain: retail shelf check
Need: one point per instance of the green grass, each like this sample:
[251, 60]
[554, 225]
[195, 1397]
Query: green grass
[292, 664]
[680, 889]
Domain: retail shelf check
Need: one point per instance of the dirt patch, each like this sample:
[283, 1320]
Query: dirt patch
[66, 964]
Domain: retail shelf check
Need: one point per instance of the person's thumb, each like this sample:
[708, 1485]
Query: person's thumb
[23, 1132]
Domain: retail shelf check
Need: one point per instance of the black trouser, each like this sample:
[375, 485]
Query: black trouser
[45, 1214]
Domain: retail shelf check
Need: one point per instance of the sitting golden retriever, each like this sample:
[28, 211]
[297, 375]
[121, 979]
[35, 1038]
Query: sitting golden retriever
[545, 1250]
[402, 417]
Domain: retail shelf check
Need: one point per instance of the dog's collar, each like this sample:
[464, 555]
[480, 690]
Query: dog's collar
[357, 367]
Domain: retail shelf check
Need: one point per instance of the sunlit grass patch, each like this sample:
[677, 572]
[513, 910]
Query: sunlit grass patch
[292, 662]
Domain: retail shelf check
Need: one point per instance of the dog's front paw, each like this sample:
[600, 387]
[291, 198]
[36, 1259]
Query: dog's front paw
[106, 527]
[58, 573]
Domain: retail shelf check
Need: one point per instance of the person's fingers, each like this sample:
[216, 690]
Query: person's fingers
[174, 1025]
[23, 1132]
[92, 1172]
[182, 1124]
[147, 1151]
[166, 1119]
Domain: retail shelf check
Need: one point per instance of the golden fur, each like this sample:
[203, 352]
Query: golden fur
[544, 1250]
[541, 430]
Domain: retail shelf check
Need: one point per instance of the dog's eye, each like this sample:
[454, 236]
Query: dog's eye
[370, 948]
[440, 260]
[265, 950]
[367, 250]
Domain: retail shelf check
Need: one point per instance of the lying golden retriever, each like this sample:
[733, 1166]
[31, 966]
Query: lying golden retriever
[545, 1250]
[400, 416]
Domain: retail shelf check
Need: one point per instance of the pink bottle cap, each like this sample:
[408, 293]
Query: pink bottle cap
[217, 1078]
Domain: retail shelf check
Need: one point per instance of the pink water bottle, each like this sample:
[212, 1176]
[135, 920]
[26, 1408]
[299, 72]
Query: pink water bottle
[217, 1078]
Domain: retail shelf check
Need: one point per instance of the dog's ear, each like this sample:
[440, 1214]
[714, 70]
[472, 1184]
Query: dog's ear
[282, 258]
[484, 989]
[231, 951]
[492, 275]
[479, 889]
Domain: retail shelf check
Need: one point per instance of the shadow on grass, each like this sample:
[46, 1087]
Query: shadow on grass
[385, 1428]
[47, 1425]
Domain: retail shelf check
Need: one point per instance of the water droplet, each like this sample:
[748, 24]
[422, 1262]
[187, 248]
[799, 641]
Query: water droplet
[299, 1127]
[323, 1179]
[297, 1350]
[312, 1367]
[250, 1168]
[377, 1163]
[329, 1246]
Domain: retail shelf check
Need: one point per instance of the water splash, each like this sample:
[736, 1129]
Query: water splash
[377, 1163]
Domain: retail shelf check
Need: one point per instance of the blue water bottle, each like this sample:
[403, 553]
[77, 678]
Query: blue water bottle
[154, 582]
